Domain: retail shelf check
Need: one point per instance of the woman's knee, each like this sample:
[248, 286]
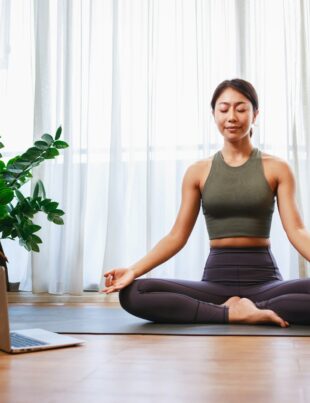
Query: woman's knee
[128, 296]
[132, 297]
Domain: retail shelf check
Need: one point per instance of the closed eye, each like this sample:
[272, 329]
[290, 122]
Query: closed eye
[243, 110]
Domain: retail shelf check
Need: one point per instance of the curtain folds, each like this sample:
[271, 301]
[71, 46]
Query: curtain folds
[5, 11]
[131, 84]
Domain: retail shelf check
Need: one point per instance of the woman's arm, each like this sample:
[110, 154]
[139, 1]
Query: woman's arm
[287, 206]
[181, 230]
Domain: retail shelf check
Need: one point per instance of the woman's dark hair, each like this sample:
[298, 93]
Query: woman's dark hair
[240, 85]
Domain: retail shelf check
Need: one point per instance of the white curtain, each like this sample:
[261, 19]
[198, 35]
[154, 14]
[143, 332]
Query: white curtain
[5, 8]
[131, 84]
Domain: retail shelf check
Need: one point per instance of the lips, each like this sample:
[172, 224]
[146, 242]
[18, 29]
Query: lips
[233, 127]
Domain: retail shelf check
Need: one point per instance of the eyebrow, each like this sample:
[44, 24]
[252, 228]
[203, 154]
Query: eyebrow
[237, 103]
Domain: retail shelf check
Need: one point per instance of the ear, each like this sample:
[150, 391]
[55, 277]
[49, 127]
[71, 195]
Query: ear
[255, 115]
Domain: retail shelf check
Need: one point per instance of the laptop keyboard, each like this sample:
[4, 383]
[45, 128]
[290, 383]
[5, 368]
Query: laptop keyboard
[18, 340]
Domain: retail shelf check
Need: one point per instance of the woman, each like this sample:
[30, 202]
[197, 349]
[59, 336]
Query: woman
[237, 187]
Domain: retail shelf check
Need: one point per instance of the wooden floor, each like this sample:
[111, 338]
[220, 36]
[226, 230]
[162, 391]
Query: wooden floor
[153, 368]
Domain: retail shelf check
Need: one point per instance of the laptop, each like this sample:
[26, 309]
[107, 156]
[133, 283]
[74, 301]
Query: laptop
[23, 341]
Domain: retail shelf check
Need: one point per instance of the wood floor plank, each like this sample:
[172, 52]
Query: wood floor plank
[148, 368]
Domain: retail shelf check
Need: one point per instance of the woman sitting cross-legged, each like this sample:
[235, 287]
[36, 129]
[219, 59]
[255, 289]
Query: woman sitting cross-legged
[236, 187]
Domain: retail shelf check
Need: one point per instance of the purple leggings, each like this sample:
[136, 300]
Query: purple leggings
[249, 272]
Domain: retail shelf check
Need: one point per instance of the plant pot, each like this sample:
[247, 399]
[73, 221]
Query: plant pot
[14, 287]
[3, 260]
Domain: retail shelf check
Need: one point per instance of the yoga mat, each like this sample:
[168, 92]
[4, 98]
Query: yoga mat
[97, 320]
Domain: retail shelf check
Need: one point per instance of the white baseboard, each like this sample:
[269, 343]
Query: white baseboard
[90, 297]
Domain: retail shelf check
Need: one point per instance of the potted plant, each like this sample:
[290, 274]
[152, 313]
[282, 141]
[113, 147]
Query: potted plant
[17, 210]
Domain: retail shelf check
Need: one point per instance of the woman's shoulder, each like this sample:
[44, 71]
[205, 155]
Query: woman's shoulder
[277, 167]
[200, 169]
[202, 164]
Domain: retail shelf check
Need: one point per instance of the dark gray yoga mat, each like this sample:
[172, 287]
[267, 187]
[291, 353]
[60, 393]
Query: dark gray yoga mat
[97, 320]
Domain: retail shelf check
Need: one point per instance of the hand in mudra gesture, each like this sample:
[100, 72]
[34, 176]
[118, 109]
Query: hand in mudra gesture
[116, 279]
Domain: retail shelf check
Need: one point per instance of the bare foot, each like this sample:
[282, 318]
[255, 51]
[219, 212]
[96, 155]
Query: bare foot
[245, 311]
[231, 301]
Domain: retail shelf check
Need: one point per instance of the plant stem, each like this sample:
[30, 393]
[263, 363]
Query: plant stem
[25, 170]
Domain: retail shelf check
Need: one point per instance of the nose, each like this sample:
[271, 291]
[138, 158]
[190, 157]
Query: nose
[231, 116]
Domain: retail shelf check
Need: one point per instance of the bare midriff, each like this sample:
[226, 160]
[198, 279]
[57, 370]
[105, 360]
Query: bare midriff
[239, 242]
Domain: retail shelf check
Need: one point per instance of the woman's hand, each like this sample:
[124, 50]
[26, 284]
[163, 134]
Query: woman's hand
[117, 279]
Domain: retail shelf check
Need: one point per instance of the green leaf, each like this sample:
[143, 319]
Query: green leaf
[14, 170]
[26, 208]
[6, 196]
[27, 246]
[46, 201]
[36, 203]
[32, 152]
[61, 144]
[6, 233]
[47, 138]
[33, 228]
[58, 133]
[51, 153]
[39, 189]
[19, 195]
[3, 212]
[1, 144]
[26, 215]
[36, 238]
[36, 191]
[22, 163]
[14, 233]
[9, 207]
[34, 246]
[2, 184]
[7, 222]
[9, 177]
[18, 219]
[55, 219]
[37, 162]
[16, 230]
[50, 207]
[12, 160]
[42, 145]
[58, 220]
[23, 243]
[58, 212]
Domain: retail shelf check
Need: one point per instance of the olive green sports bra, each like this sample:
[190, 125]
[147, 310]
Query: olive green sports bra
[237, 201]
